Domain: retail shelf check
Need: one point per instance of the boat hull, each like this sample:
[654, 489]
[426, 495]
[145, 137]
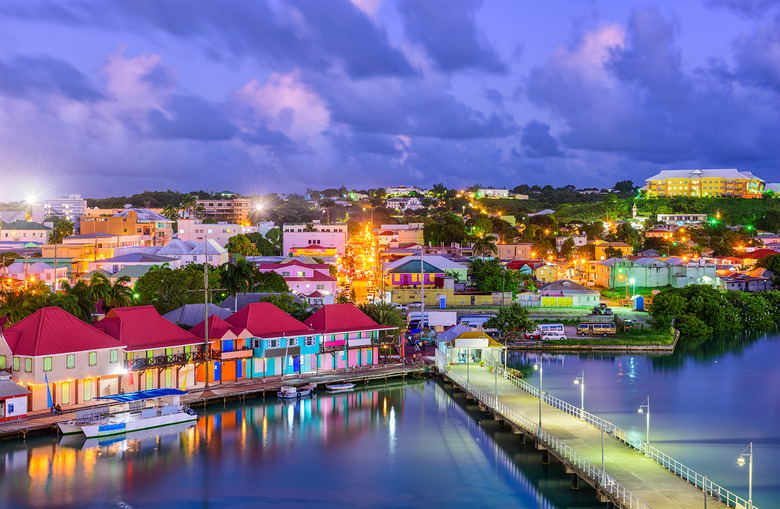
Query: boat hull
[294, 395]
[339, 387]
[68, 429]
[102, 430]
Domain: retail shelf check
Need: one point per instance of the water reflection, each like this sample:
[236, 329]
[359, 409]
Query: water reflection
[400, 445]
[710, 399]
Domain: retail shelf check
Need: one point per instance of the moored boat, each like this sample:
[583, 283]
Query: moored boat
[292, 391]
[339, 387]
[135, 411]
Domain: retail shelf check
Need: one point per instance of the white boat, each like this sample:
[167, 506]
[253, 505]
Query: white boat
[340, 387]
[136, 411]
[292, 391]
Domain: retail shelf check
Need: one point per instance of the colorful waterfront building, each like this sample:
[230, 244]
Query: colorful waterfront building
[348, 338]
[231, 351]
[281, 345]
[52, 347]
[159, 354]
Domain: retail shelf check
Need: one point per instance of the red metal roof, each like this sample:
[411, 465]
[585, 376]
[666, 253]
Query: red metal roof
[759, 254]
[264, 320]
[218, 328]
[142, 328]
[316, 276]
[53, 331]
[334, 318]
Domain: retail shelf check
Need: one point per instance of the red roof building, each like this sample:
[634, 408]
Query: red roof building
[231, 350]
[341, 318]
[51, 346]
[264, 320]
[142, 328]
[53, 331]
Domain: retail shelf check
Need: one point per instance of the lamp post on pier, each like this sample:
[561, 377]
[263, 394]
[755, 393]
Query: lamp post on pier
[580, 380]
[541, 372]
[644, 408]
[741, 462]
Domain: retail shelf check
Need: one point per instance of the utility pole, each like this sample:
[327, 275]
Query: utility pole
[206, 305]
[25, 270]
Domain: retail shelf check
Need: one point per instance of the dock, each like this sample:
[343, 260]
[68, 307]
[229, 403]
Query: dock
[42, 421]
[635, 475]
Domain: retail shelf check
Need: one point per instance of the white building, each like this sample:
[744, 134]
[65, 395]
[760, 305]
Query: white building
[411, 233]
[34, 272]
[579, 240]
[217, 255]
[26, 231]
[324, 235]
[194, 230]
[492, 193]
[70, 207]
[402, 191]
[402, 204]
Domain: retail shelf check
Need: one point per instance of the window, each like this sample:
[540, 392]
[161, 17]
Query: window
[28, 365]
[92, 358]
[2, 362]
[47, 363]
[292, 341]
[70, 361]
[310, 341]
[114, 355]
[273, 343]
[16, 363]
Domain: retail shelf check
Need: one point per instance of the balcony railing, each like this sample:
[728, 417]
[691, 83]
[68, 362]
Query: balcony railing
[166, 361]
[241, 353]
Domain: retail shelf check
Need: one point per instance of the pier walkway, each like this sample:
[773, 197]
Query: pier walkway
[630, 478]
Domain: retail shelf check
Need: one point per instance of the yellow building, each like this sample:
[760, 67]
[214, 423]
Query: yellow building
[601, 248]
[704, 183]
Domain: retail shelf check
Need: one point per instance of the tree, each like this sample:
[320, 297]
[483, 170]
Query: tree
[624, 186]
[287, 303]
[665, 308]
[567, 248]
[171, 211]
[80, 300]
[772, 263]
[274, 236]
[188, 203]
[236, 277]
[241, 245]
[594, 230]
[167, 289]
[484, 246]
[327, 204]
[62, 229]
[511, 321]
[8, 258]
[490, 276]
[383, 313]
[269, 282]
[611, 252]
[626, 233]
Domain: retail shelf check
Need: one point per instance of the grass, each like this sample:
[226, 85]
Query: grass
[637, 337]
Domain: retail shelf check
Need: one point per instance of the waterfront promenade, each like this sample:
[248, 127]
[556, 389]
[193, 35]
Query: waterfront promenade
[42, 421]
[650, 482]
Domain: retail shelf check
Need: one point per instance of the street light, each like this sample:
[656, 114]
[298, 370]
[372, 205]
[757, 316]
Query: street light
[580, 380]
[741, 462]
[644, 408]
[541, 372]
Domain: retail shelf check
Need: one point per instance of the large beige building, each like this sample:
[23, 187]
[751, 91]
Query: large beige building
[704, 183]
[235, 210]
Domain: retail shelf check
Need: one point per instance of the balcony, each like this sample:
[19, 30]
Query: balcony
[243, 353]
[167, 361]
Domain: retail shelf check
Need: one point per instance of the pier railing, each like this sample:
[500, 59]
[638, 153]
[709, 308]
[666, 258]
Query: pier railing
[605, 482]
[713, 489]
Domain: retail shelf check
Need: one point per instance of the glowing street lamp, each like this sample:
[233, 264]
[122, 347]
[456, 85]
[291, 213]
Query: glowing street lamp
[541, 372]
[644, 408]
[741, 462]
[580, 380]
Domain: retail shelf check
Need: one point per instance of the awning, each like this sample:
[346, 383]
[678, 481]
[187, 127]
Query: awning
[140, 395]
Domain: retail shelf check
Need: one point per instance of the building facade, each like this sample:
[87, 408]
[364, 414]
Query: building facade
[326, 236]
[25, 231]
[71, 207]
[235, 210]
[704, 183]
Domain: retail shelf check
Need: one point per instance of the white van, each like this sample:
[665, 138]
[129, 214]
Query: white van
[475, 322]
[550, 327]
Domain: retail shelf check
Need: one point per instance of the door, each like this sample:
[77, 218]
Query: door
[149, 380]
[66, 393]
[360, 357]
[296, 364]
[168, 379]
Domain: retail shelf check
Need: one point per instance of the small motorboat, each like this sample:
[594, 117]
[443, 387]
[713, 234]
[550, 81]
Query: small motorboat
[292, 391]
[339, 387]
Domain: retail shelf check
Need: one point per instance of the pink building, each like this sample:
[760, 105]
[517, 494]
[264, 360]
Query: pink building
[304, 278]
[348, 338]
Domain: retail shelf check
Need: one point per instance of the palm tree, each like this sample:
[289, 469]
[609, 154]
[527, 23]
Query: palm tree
[383, 313]
[171, 211]
[485, 245]
[188, 203]
[85, 303]
[120, 295]
[15, 305]
[236, 277]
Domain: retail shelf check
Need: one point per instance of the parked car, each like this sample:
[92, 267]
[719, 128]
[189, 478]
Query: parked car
[553, 336]
[596, 311]
[534, 334]
[416, 304]
[607, 311]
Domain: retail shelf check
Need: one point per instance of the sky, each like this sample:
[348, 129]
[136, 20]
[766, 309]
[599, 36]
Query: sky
[113, 98]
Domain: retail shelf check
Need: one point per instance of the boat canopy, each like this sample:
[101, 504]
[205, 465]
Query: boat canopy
[150, 394]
